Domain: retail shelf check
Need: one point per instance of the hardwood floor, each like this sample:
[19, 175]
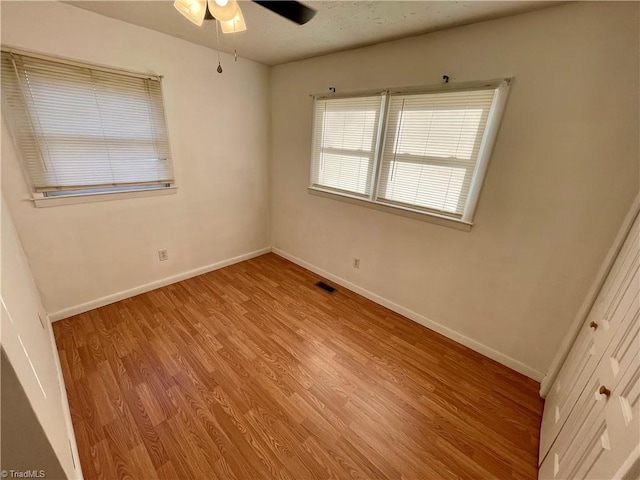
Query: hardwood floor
[252, 372]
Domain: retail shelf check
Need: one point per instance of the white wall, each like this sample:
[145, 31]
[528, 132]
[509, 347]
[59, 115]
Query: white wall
[562, 177]
[218, 127]
[29, 345]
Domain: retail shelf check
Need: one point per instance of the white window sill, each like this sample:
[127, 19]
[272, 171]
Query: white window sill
[396, 210]
[101, 197]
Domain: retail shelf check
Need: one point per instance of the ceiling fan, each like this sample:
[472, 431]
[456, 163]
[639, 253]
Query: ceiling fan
[228, 12]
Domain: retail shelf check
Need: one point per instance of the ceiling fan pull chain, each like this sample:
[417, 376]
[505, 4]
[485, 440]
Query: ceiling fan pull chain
[235, 51]
[219, 69]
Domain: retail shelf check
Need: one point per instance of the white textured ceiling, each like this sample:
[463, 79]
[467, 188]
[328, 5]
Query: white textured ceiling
[338, 25]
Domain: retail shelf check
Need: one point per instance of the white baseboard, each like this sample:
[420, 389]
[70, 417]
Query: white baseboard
[147, 287]
[416, 317]
[422, 320]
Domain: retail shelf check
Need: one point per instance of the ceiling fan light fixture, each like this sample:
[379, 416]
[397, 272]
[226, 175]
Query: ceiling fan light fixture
[193, 10]
[235, 25]
[223, 10]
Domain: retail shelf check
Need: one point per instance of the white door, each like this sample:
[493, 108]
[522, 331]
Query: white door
[618, 291]
[622, 406]
[604, 425]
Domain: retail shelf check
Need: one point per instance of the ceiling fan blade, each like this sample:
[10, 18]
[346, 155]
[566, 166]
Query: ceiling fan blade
[292, 10]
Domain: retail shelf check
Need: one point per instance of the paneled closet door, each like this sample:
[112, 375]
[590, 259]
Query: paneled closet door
[603, 426]
[621, 291]
[580, 435]
[580, 364]
[604, 319]
[622, 414]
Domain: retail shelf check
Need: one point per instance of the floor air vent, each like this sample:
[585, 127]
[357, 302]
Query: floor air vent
[326, 287]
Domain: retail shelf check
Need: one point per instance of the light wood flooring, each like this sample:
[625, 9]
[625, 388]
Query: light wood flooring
[252, 372]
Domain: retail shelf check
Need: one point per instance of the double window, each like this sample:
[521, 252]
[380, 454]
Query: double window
[425, 152]
[82, 129]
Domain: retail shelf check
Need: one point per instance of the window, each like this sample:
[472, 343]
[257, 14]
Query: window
[348, 130]
[424, 152]
[82, 129]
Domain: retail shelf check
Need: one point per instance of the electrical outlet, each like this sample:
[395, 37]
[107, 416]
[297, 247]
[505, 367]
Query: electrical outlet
[163, 255]
[356, 263]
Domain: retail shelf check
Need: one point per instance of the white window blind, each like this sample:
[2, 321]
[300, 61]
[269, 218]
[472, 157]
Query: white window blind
[425, 152]
[82, 128]
[345, 134]
[431, 147]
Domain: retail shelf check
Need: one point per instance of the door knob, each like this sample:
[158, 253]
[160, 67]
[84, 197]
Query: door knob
[593, 325]
[604, 391]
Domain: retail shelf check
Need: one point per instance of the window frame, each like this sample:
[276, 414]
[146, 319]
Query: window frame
[461, 222]
[56, 197]
[372, 175]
